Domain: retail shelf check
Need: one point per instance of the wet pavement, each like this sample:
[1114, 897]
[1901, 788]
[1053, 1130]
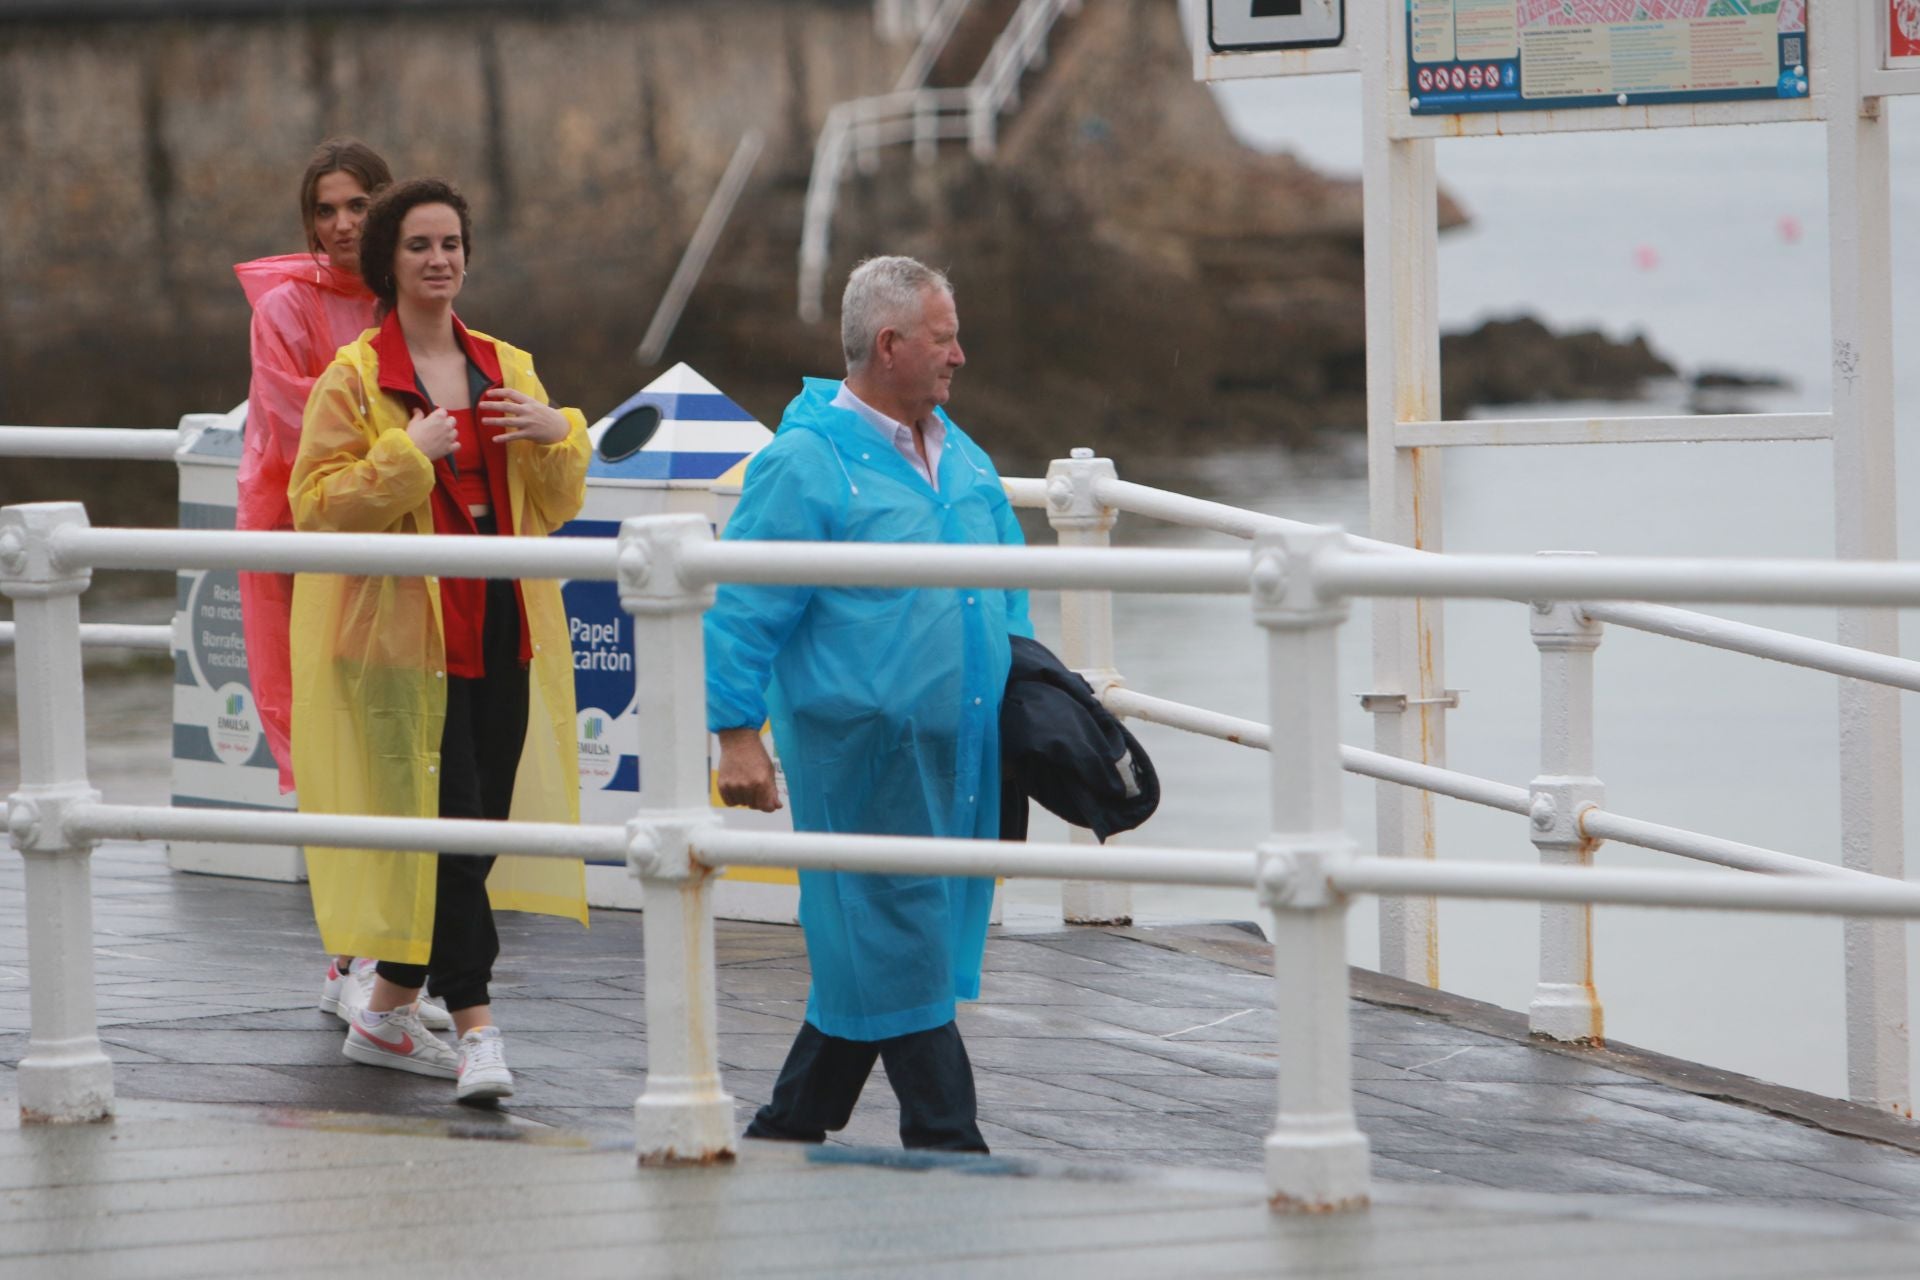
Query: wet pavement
[1096, 1050]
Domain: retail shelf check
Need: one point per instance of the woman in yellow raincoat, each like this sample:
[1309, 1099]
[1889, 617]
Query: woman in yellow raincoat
[418, 697]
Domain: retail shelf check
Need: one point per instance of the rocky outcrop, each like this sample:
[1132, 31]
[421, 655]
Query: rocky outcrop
[1521, 361]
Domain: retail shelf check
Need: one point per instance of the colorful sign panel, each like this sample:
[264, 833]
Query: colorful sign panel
[1903, 33]
[1550, 55]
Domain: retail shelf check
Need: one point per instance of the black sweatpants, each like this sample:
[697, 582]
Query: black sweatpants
[480, 745]
[823, 1076]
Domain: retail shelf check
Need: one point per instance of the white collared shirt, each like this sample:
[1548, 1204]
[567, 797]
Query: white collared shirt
[900, 435]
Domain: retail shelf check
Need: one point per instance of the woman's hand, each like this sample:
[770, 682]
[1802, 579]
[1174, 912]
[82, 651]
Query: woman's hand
[433, 433]
[523, 417]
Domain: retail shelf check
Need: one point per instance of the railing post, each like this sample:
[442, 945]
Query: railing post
[684, 1116]
[1404, 489]
[65, 1075]
[1565, 1005]
[1080, 519]
[1866, 527]
[1316, 1154]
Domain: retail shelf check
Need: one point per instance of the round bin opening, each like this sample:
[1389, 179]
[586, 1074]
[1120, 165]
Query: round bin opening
[627, 434]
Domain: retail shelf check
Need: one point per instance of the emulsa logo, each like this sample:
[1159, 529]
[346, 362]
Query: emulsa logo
[235, 731]
[598, 755]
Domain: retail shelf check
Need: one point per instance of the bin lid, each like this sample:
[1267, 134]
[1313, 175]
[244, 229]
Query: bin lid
[680, 427]
[212, 437]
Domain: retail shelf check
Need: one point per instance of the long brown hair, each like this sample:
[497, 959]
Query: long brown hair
[339, 155]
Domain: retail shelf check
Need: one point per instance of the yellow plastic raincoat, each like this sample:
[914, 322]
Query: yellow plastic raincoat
[369, 689]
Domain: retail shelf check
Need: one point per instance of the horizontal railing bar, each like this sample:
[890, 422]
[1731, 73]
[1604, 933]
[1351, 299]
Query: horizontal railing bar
[113, 635]
[448, 555]
[821, 851]
[1582, 578]
[1679, 624]
[1595, 823]
[1349, 572]
[349, 831]
[1178, 508]
[1025, 491]
[1446, 782]
[1373, 764]
[1705, 428]
[136, 444]
[1598, 824]
[879, 564]
[1760, 642]
[1706, 890]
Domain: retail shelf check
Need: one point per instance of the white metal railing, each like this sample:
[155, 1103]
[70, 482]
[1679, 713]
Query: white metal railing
[128, 443]
[859, 128]
[1565, 803]
[1082, 497]
[665, 566]
[153, 636]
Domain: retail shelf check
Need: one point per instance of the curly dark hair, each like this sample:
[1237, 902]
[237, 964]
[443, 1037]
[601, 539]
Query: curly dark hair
[380, 237]
[339, 155]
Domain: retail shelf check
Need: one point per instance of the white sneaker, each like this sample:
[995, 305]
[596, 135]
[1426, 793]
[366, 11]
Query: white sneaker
[483, 1074]
[338, 982]
[356, 989]
[401, 1042]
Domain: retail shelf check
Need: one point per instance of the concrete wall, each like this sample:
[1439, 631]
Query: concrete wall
[140, 157]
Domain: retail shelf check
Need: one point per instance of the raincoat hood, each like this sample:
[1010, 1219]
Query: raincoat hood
[884, 703]
[263, 275]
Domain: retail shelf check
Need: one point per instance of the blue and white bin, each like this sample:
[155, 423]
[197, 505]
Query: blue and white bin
[220, 755]
[679, 445]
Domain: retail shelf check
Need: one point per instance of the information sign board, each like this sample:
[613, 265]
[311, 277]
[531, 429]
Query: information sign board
[1542, 55]
[1903, 33]
[1242, 26]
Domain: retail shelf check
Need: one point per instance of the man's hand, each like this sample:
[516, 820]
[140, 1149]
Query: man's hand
[746, 772]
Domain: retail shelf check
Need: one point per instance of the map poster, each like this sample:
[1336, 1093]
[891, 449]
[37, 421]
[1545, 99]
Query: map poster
[1903, 33]
[1550, 55]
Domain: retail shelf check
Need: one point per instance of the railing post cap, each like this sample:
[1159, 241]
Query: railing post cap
[1563, 624]
[1073, 499]
[1284, 589]
[29, 567]
[648, 563]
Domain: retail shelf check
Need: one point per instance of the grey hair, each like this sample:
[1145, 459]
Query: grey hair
[883, 293]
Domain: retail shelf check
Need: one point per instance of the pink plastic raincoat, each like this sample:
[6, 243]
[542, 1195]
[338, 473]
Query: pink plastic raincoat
[304, 310]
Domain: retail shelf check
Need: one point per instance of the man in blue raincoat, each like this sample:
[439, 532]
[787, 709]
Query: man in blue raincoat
[885, 705]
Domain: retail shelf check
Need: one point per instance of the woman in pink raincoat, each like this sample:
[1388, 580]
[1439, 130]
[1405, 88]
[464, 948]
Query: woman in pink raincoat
[306, 306]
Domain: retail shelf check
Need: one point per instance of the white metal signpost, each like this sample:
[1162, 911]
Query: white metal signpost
[1457, 68]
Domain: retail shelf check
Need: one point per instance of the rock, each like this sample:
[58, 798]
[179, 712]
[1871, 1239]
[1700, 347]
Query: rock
[1728, 379]
[1521, 361]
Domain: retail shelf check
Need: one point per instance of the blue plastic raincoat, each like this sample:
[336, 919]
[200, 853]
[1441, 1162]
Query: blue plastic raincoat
[885, 705]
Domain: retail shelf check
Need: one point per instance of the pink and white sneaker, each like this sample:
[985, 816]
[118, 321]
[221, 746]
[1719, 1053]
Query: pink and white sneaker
[337, 983]
[399, 1040]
